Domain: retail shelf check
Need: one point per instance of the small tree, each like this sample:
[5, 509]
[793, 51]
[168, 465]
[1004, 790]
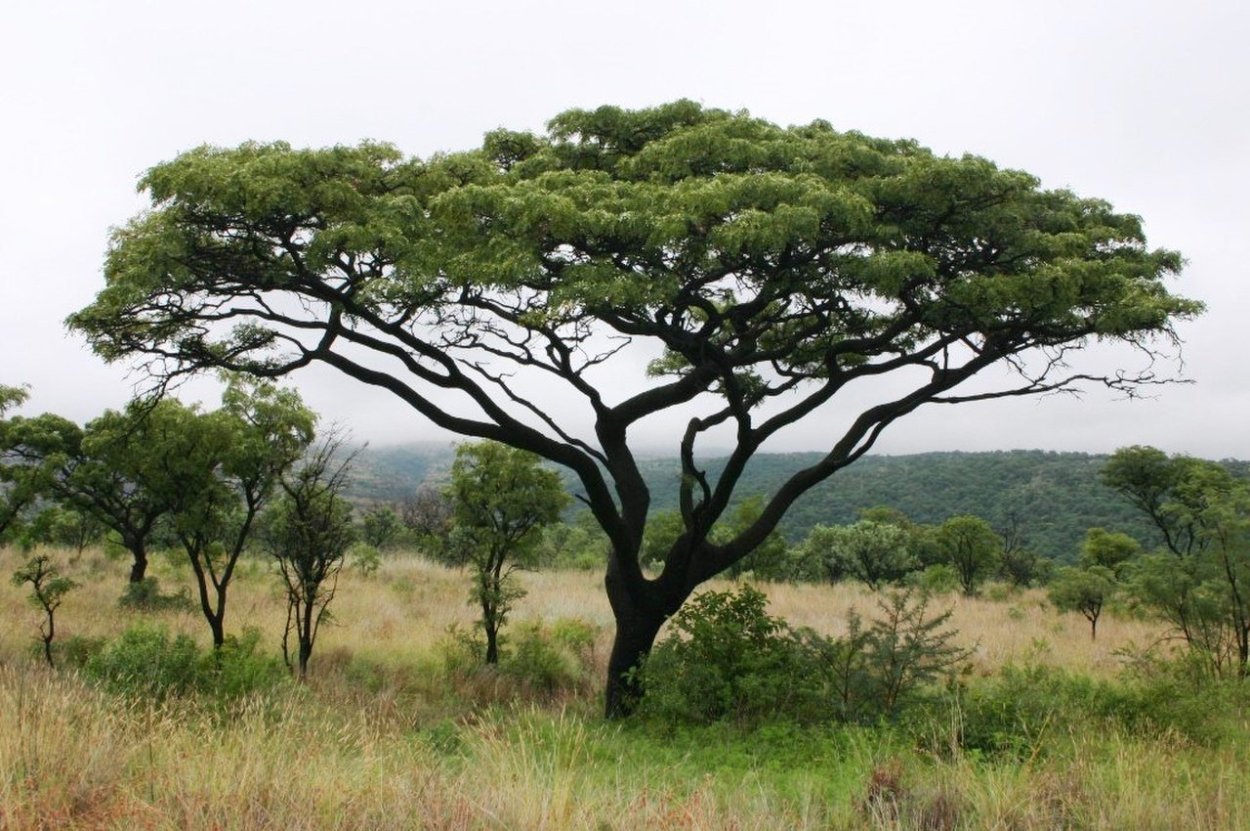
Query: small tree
[1200, 582]
[501, 498]
[380, 526]
[1109, 549]
[1085, 590]
[872, 552]
[227, 469]
[427, 514]
[971, 547]
[47, 588]
[309, 533]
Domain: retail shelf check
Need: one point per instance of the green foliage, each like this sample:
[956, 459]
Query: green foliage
[579, 544]
[726, 659]
[1023, 567]
[146, 596]
[939, 578]
[365, 558]
[501, 499]
[770, 560]
[536, 659]
[544, 660]
[873, 553]
[149, 664]
[1201, 584]
[48, 588]
[380, 526]
[881, 667]
[1086, 589]
[970, 546]
[1108, 549]
[309, 533]
[1021, 711]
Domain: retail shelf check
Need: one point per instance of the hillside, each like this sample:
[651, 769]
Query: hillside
[1056, 496]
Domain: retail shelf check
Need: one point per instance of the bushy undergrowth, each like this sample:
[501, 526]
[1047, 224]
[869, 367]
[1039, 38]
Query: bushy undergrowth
[146, 596]
[727, 659]
[147, 662]
[536, 660]
[1021, 710]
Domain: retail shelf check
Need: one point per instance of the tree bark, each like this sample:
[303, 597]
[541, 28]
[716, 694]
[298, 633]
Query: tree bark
[635, 635]
[139, 568]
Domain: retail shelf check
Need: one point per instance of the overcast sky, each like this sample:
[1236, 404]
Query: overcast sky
[1145, 104]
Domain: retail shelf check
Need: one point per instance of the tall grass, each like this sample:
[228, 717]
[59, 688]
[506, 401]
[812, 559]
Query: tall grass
[390, 734]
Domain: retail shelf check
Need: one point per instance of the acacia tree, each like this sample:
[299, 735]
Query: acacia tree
[874, 553]
[47, 589]
[222, 472]
[309, 530]
[970, 546]
[16, 492]
[501, 498]
[1200, 581]
[114, 469]
[766, 270]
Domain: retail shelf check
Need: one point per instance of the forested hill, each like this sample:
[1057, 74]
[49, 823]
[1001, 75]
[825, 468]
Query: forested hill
[1055, 496]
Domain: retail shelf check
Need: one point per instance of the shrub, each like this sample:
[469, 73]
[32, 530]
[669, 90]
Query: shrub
[146, 596]
[365, 558]
[1012, 713]
[540, 662]
[147, 663]
[727, 659]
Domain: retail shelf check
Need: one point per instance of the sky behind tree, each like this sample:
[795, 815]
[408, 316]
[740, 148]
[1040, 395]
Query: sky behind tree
[1145, 104]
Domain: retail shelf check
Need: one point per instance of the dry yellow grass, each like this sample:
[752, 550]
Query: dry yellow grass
[342, 754]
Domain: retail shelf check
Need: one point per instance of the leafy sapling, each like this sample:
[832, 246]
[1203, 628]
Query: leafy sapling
[47, 589]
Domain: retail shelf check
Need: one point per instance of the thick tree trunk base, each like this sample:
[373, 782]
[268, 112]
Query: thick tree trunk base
[635, 635]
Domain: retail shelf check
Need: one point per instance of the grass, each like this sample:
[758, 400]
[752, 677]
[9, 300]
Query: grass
[390, 734]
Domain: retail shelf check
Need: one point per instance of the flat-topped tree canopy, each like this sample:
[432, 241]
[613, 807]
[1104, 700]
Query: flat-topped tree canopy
[768, 267]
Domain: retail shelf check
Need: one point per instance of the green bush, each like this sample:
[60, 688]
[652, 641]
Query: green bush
[365, 558]
[1014, 712]
[937, 579]
[146, 662]
[539, 661]
[75, 650]
[727, 659]
[146, 596]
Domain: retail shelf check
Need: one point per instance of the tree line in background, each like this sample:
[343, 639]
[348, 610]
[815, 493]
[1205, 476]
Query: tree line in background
[251, 477]
[1050, 498]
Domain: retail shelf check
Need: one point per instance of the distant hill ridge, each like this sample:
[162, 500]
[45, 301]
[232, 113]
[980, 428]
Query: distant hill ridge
[1056, 496]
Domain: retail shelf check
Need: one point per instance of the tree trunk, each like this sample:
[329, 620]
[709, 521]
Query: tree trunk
[492, 642]
[636, 629]
[139, 568]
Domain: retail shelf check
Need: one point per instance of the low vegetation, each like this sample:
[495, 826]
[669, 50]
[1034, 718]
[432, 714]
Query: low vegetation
[1029, 724]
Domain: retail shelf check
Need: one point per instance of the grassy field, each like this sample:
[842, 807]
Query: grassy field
[394, 732]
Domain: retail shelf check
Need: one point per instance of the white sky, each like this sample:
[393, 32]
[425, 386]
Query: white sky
[1146, 104]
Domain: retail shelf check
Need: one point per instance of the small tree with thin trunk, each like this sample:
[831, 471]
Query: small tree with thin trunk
[47, 588]
[226, 472]
[1086, 590]
[970, 546]
[308, 532]
[501, 498]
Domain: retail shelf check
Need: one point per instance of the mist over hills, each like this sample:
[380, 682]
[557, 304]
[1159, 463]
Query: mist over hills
[1055, 496]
